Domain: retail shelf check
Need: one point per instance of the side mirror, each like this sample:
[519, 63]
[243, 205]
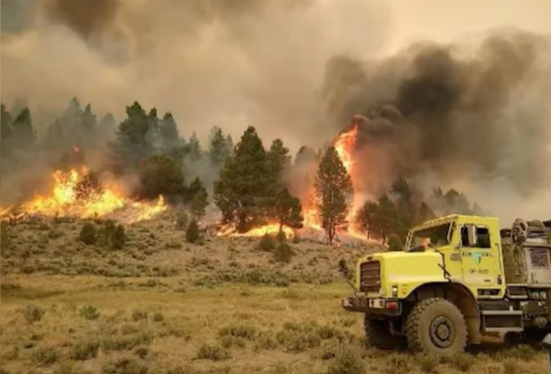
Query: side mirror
[343, 268]
[546, 342]
[471, 232]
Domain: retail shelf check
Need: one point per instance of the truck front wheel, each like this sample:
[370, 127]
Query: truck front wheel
[378, 335]
[436, 325]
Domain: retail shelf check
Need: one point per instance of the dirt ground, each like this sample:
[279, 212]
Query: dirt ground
[160, 305]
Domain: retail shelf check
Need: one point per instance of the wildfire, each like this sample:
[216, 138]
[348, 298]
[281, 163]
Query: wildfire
[344, 145]
[77, 194]
[269, 229]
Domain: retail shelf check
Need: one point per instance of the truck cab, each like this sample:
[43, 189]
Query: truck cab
[457, 277]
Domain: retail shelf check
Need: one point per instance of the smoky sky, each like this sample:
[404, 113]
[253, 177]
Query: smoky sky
[479, 110]
[301, 69]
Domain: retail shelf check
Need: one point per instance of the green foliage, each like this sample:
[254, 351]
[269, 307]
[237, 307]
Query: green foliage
[112, 236]
[163, 175]
[88, 234]
[192, 233]
[46, 356]
[333, 189]
[33, 313]
[288, 209]
[241, 193]
[85, 350]
[267, 243]
[5, 239]
[394, 243]
[197, 197]
[220, 147]
[283, 252]
[182, 219]
[89, 312]
[347, 361]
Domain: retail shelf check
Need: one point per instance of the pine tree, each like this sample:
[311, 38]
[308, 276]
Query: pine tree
[162, 175]
[405, 208]
[169, 133]
[241, 192]
[6, 132]
[197, 198]
[365, 217]
[288, 210]
[195, 152]
[333, 189]
[192, 232]
[219, 150]
[132, 140]
[23, 132]
[385, 218]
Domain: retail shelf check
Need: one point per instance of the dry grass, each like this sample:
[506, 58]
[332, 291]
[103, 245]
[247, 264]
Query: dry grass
[162, 306]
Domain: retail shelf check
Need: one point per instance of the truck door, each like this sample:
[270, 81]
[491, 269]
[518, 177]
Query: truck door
[480, 260]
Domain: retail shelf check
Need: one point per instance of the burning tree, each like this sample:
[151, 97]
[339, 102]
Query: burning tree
[333, 191]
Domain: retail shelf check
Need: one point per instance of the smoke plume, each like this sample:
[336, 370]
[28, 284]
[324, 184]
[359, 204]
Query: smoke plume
[450, 112]
[471, 117]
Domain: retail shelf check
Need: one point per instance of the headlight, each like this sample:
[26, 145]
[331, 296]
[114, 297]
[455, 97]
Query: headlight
[394, 291]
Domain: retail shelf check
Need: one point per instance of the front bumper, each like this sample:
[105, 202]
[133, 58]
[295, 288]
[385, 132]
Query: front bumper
[376, 306]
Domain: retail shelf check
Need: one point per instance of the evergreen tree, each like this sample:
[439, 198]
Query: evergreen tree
[405, 208]
[424, 213]
[162, 175]
[6, 131]
[365, 217]
[288, 210]
[385, 218]
[195, 152]
[107, 125]
[243, 185]
[219, 149]
[197, 198]
[169, 133]
[23, 132]
[394, 243]
[333, 189]
[132, 140]
[192, 232]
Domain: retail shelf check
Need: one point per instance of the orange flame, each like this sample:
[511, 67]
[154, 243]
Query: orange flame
[70, 196]
[269, 229]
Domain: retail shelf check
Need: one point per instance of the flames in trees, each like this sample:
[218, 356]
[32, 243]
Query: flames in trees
[344, 144]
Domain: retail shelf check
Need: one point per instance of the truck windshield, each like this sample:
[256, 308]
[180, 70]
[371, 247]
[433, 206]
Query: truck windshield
[432, 237]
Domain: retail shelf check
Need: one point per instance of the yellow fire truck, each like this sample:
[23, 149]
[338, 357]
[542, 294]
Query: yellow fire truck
[457, 278]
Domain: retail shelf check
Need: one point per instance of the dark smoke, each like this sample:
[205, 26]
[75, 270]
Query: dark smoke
[451, 112]
[84, 17]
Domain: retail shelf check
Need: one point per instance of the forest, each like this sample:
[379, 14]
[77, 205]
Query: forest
[249, 182]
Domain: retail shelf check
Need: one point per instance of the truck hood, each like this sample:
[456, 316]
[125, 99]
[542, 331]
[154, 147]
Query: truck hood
[407, 267]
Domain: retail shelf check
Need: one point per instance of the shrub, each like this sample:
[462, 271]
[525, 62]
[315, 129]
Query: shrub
[88, 234]
[90, 312]
[85, 350]
[347, 361]
[463, 362]
[394, 243]
[182, 219]
[33, 313]
[125, 366]
[283, 252]
[428, 362]
[112, 236]
[46, 356]
[212, 352]
[192, 232]
[267, 243]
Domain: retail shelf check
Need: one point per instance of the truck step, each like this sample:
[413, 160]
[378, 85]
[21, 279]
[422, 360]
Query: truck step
[501, 312]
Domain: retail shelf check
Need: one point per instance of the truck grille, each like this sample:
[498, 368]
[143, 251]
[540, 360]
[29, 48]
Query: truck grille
[370, 276]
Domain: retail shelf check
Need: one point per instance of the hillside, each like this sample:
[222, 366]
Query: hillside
[161, 305]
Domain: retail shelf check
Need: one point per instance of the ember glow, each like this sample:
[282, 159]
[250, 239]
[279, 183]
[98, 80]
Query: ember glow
[269, 229]
[344, 145]
[75, 194]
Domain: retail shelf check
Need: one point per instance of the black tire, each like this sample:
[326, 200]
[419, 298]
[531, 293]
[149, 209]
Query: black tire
[378, 335]
[436, 326]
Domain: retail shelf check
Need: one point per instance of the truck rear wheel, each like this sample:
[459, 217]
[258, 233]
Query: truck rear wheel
[378, 335]
[436, 325]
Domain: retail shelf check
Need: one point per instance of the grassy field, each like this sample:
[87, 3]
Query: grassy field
[160, 305]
